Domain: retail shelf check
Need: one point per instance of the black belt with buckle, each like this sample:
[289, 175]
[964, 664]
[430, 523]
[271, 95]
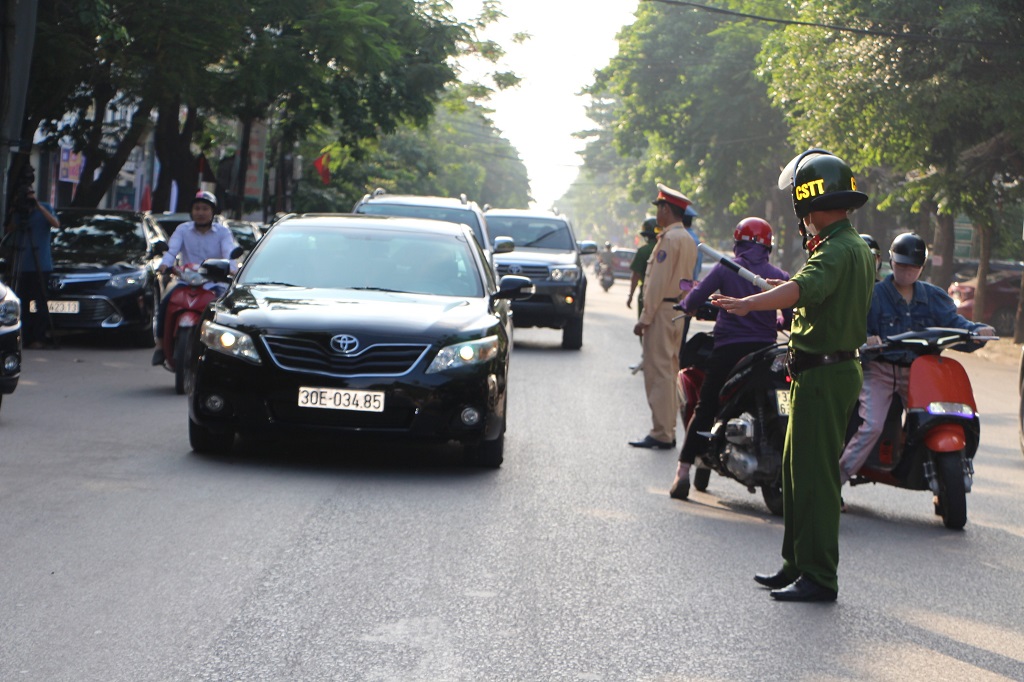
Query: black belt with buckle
[799, 361]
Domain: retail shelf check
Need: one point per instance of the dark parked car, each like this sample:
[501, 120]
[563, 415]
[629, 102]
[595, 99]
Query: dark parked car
[355, 325]
[10, 340]
[104, 272]
[547, 252]
[1001, 298]
[246, 234]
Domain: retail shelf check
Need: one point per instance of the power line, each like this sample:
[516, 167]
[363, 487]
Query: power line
[835, 27]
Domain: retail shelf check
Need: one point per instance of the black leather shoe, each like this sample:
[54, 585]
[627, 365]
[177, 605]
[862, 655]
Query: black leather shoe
[804, 589]
[158, 357]
[652, 443]
[775, 581]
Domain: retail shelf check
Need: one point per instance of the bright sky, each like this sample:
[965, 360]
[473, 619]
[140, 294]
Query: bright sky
[570, 40]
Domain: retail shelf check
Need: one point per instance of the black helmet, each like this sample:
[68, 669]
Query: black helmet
[649, 228]
[820, 181]
[908, 249]
[872, 244]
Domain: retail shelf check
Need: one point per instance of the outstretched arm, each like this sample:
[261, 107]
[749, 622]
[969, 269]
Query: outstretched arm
[780, 297]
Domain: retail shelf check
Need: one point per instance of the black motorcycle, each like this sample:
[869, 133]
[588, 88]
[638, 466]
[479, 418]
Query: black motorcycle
[750, 426]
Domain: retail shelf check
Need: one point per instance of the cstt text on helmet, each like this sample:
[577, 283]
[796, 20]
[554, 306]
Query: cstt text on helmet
[809, 189]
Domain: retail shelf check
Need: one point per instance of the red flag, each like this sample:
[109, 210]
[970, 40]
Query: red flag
[321, 167]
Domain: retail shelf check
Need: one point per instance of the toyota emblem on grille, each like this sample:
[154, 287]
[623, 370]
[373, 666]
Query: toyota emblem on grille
[345, 343]
[515, 269]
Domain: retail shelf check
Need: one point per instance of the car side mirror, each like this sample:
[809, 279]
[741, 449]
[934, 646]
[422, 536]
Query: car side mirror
[587, 247]
[216, 269]
[514, 288]
[504, 244]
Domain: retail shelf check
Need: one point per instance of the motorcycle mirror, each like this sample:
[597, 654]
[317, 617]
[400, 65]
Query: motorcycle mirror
[237, 251]
[216, 269]
[160, 247]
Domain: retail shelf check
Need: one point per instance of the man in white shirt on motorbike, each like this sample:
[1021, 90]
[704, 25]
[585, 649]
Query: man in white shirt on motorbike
[195, 241]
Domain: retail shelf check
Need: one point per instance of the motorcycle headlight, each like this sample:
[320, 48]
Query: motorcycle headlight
[10, 310]
[464, 354]
[566, 274]
[127, 279]
[229, 341]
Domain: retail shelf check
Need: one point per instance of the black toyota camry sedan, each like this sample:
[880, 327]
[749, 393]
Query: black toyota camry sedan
[339, 325]
[104, 276]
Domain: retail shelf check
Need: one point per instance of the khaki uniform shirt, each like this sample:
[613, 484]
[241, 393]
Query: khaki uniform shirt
[672, 261]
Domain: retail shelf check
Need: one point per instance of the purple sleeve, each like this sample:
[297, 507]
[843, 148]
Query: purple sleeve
[703, 290]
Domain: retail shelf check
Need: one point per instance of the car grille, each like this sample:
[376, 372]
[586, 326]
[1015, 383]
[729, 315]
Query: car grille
[309, 355]
[531, 271]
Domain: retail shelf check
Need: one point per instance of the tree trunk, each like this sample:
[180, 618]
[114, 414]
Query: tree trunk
[944, 243]
[243, 168]
[173, 143]
[985, 253]
[91, 191]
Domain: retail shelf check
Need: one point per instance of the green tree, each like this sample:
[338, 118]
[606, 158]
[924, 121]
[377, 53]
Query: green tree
[932, 96]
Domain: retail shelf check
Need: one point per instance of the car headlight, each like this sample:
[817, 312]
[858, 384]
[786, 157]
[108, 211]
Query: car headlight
[568, 274]
[464, 354]
[229, 341]
[10, 309]
[127, 279]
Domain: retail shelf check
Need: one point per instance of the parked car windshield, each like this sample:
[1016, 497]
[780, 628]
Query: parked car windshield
[537, 233]
[98, 235]
[378, 259]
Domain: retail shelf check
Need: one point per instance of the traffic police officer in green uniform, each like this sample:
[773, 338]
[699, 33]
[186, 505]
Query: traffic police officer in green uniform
[649, 231]
[830, 295]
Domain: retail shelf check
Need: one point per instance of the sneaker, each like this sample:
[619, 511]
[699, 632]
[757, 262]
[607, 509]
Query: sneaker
[158, 357]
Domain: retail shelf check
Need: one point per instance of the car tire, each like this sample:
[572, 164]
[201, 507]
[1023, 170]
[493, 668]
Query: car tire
[572, 333]
[1004, 321]
[207, 442]
[487, 454]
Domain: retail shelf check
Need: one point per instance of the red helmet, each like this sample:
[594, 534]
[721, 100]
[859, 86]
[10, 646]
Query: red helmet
[754, 230]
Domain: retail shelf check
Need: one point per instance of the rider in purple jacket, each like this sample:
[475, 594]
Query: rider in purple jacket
[735, 336]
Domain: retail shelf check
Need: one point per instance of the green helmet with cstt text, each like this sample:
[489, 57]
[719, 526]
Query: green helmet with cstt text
[820, 181]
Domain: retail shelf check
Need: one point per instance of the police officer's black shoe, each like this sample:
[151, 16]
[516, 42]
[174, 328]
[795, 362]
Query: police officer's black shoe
[652, 443]
[158, 357]
[775, 581]
[804, 589]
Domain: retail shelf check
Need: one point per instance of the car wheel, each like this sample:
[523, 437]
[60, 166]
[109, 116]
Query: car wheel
[208, 442]
[572, 333]
[488, 454]
[1004, 321]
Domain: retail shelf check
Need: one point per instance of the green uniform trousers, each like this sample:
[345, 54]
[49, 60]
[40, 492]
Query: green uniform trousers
[822, 400]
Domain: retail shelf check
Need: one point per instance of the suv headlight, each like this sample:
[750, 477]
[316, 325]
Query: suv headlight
[229, 341]
[566, 274]
[127, 279]
[464, 354]
[10, 309]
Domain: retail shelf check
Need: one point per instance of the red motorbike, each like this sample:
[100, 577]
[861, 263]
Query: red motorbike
[933, 446]
[181, 325]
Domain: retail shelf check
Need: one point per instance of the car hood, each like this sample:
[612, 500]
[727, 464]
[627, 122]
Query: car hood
[525, 255]
[88, 263]
[412, 317]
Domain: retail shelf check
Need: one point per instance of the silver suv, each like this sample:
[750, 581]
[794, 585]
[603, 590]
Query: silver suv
[547, 252]
[460, 210]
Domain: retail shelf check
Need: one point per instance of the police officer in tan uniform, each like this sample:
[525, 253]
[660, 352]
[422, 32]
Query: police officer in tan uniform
[669, 276]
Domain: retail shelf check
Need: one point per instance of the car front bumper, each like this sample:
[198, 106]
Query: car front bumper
[550, 305]
[263, 400]
[10, 358]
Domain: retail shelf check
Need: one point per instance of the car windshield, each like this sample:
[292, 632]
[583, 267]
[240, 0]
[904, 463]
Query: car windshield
[452, 215]
[537, 233]
[102, 236]
[377, 259]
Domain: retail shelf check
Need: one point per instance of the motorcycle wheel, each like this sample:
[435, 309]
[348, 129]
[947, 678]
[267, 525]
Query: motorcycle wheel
[772, 495]
[952, 506]
[701, 478]
[182, 349]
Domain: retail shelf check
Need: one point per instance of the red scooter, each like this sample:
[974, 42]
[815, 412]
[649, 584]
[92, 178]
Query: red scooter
[184, 309]
[933, 447]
